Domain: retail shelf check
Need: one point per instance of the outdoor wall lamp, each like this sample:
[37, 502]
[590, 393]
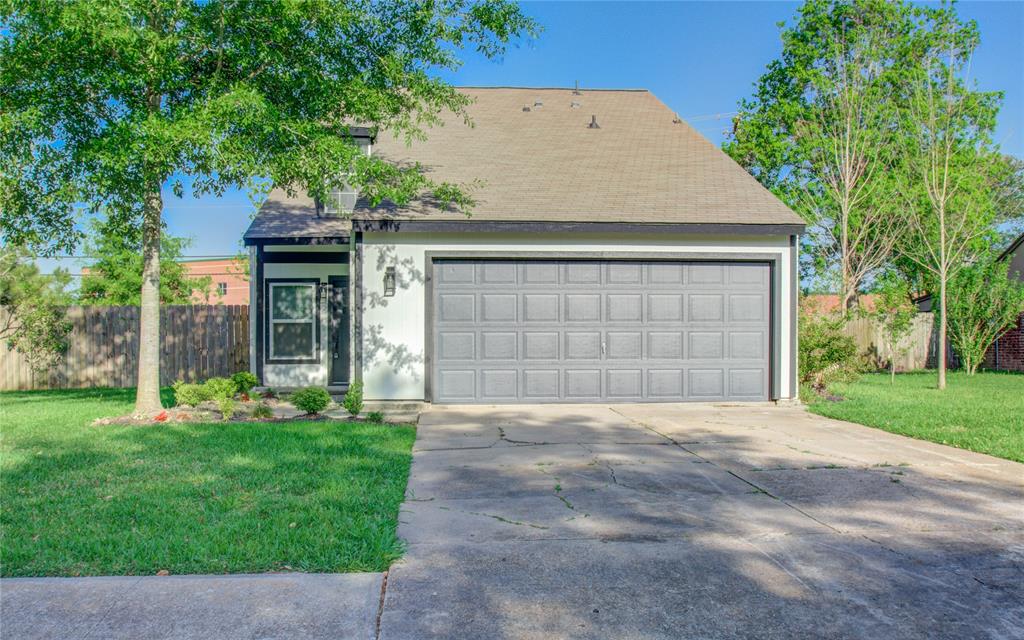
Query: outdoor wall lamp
[389, 282]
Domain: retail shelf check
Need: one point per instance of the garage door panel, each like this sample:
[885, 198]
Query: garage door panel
[624, 307]
[589, 331]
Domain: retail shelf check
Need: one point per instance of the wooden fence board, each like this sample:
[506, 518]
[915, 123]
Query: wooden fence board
[921, 343]
[196, 342]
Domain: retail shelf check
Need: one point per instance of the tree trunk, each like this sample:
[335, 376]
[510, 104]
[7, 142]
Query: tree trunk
[147, 398]
[942, 330]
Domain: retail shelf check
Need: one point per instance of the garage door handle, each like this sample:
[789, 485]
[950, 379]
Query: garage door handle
[602, 349]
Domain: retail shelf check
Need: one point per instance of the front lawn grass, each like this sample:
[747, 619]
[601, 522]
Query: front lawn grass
[80, 500]
[983, 413]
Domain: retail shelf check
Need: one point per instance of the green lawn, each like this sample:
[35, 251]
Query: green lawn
[77, 499]
[983, 413]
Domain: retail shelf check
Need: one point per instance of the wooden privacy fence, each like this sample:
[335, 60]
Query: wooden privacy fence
[921, 343]
[196, 342]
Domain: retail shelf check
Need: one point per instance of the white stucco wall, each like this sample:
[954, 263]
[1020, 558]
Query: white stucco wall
[394, 327]
[300, 375]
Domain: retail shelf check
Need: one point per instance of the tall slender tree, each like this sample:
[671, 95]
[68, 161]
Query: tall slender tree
[104, 104]
[953, 173]
[819, 130]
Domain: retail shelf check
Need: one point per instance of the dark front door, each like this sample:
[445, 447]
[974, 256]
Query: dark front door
[338, 339]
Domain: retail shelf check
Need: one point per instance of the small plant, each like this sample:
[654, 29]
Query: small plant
[190, 395]
[376, 416]
[827, 354]
[220, 388]
[227, 407]
[262, 411]
[244, 382]
[353, 401]
[269, 394]
[312, 400]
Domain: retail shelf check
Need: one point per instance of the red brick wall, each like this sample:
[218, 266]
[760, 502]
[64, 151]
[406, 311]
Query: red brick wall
[1010, 350]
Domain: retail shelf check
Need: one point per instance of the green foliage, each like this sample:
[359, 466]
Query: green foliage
[894, 312]
[312, 400]
[115, 278]
[190, 395]
[982, 302]
[827, 355]
[35, 323]
[262, 411]
[376, 417]
[227, 407]
[220, 388]
[244, 381]
[126, 97]
[353, 400]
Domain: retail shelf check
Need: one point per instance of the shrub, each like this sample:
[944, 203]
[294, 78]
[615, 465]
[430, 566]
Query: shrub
[268, 394]
[220, 388]
[376, 416]
[244, 381]
[353, 401]
[227, 407]
[262, 411]
[312, 400]
[189, 395]
[827, 354]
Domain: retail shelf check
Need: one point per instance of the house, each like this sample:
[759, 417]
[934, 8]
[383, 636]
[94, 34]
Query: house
[613, 255]
[229, 281]
[823, 304]
[1007, 352]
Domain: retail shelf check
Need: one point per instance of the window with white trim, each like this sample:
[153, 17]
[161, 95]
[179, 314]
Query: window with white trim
[292, 321]
[343, 200]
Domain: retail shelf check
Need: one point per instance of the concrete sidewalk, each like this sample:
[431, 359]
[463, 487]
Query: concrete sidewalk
[269, 606]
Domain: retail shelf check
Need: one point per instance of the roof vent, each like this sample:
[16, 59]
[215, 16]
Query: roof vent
[575, 104]
[677, 119]
[593, 123]
[526, 107]
[576, 90]
[538, 103]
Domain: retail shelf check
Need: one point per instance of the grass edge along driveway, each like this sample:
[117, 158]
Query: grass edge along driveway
[77, 499]
[982, 413]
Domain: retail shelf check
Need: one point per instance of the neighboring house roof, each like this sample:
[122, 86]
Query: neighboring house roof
[546, 164]
[826, 303]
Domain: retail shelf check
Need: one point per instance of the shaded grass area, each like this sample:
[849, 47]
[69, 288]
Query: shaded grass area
[198, 498]
[983, 413]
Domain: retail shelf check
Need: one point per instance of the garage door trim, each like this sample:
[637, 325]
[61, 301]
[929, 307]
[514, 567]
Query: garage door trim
[774, 261]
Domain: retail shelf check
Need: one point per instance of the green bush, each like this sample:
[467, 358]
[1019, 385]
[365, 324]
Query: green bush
[312, 400]
[376, 416]
[227, 407]
[220, 388]
[188, 394]
[827, 354]
[262, 411]
[353, 401]
[244, 381]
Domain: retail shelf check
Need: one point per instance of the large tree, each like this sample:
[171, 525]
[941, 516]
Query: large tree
[819, 131]
[115, 275]
[955, 179]
[104, 103]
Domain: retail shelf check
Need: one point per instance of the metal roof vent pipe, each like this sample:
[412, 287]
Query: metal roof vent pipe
[593, 123]
[526, 108]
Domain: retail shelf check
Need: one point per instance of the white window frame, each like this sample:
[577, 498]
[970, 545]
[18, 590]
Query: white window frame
[314, 322]
[333, 204]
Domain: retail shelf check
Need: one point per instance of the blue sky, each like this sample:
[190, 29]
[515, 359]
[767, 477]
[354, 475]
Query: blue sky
[700, 58]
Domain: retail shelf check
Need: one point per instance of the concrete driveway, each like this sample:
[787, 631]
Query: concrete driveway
[670, 521]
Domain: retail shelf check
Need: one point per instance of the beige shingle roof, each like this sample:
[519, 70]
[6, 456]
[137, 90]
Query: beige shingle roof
[547, 165]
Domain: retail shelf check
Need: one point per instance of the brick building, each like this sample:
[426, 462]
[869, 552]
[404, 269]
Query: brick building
[230, 280]
[1007, 354]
